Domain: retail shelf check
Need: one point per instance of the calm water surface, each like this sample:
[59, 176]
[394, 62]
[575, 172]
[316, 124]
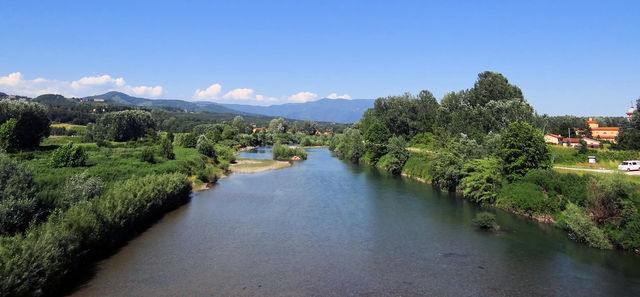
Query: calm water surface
[328, 228]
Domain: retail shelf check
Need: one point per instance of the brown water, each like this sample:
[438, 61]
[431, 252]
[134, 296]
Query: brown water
[328, 228]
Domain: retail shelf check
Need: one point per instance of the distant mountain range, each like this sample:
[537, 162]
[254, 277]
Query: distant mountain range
[122, 98]
[323, 110]
[326, 110]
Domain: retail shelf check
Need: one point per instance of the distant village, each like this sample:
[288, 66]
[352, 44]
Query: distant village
[598, 134]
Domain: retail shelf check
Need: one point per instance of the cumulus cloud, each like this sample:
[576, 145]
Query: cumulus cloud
[14, 83]
[210, 93]
[302, 97]
[336, 96]
[240, 94]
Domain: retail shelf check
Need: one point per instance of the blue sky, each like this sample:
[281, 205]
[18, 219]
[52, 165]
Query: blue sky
[577, 57]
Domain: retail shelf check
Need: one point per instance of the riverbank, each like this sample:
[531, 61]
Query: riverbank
[247, 166]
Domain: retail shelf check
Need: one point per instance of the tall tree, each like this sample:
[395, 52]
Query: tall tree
[523, 149]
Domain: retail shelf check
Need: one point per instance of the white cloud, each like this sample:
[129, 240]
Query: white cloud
[302, 97]
[240, 94]
[336, 96]
[147, 91]
[211, 93]
[85, 86]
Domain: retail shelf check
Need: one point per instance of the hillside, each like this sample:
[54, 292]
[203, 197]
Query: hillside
[122, 98]
[328, 110]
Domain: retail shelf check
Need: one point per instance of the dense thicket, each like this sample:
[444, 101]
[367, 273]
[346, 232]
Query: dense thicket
[124, 125]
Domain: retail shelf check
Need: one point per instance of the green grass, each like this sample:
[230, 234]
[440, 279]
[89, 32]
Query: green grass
[418, 165]
[634, 178]
[78, 128]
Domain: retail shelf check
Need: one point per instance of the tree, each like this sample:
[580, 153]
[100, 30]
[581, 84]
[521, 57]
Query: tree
[582, 148]
[205, 147]
[523, 149]
[147, 155]
[481, 179]
[82, 187]
[278, 125]
[397, 156]
[8, 137]
[32, 121]
[309, 127]
[376, 138]
[492, 86]
[124, 125]
[352, 146]
[189, 140]
[166, 148]
[227, 133]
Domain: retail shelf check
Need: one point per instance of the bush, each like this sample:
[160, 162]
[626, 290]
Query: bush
[526, 198]
[205, 147]
[418, 165]
[446, 171]
[82, 187]
[485, 221]
[209, 174]
[581, 228]
[283, 152]
[562, 186]
[8, 136]
[224, 154]
[17, 203]
[68, 155]
[189, 140]
[481, 179]
[124, 125]
[36, 264]
[147, 155]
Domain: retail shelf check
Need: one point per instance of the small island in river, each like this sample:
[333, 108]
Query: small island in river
[257, 165]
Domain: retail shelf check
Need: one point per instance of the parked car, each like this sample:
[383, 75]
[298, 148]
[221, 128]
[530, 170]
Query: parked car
[629, 165]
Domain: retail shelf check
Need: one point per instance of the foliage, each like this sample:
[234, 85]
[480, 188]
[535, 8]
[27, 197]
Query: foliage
[397, 156]
[607, 195]
[166, 148]
[82, 187]
[68, 155]
[485, 221]
[32, 122]
[481, 179]
[189, 140]
[523, 149]
[124, 125]
[526, 198]
[208, 174]
[419, 166]
[205, 147]
[8, 135]
[581, 228]
[446, 170]
[566, 187]
[425, 140]
[278, 125]
[283, 152]
[224, 154]
[18, 205]
[352, 146]
[376, 138]
[147, 155]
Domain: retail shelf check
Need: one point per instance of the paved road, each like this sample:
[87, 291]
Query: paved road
[597, 170]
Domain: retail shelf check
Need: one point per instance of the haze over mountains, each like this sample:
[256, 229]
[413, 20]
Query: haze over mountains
[323, 110]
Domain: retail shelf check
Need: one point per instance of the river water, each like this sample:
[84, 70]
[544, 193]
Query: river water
[325, 227]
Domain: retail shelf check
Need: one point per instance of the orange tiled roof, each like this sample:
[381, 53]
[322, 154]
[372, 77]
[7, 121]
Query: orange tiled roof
[554, 135]
[606, 128]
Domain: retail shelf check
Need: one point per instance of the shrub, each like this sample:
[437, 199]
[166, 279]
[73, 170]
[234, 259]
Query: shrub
[527, 198]
[481, 179]
[224, 154]
[424, 140]
[581, 228]
[607, 194]
[485, 221]
[8, 135]
[563, 186]
[82, 187]
[418, 165]
[283, 152]
[147, 155]
[68, 155]
[209, 174]
[189, 140]
[17, 203]
[446, 171]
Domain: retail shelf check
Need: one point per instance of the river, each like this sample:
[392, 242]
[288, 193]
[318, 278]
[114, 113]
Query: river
[324, 227]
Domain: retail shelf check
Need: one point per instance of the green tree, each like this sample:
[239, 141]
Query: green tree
[18, 206]
[205, 147]
[189, 140]
[376, 138]
[492, 86]
[397, 156]
[523, 149]
[124, 125]
[32, 121]
[166, 148]
[227, 133]
[278, 125]
[8, 137]
[352, 146]
[481, 179]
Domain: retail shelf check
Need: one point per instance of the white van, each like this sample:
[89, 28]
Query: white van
[629, 165]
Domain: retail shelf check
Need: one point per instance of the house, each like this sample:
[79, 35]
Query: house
[553, 138]
[604, 133]
[592, 143]
[260, 129]
[571, 142]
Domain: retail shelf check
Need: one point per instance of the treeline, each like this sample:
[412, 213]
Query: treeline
[486, 143]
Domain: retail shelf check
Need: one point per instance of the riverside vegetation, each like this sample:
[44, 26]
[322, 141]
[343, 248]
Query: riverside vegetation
[71, 194]
[486, 143]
